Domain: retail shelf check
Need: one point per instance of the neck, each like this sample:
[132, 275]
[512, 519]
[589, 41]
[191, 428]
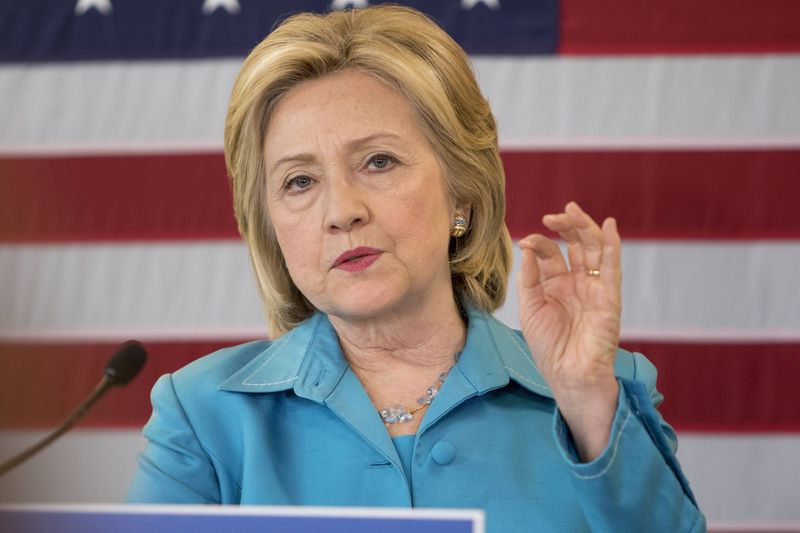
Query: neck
[425, 338]
[397, 358]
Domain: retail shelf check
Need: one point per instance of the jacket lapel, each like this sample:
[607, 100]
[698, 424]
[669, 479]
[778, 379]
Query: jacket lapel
[310, 361]
[492, 356]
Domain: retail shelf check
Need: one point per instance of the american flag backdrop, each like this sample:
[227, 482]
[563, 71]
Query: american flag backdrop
[679, 117]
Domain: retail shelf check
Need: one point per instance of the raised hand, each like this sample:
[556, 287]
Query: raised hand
[570, 317]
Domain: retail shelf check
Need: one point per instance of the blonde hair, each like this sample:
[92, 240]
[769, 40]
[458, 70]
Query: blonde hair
[403, 48]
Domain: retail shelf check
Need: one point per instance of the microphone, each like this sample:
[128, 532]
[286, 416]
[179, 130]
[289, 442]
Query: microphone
[126, 363]
[120, 370]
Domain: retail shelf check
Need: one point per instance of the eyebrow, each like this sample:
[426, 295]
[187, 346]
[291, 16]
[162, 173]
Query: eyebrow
[351, 145]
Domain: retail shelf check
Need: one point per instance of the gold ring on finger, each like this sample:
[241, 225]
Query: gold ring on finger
[592, 272]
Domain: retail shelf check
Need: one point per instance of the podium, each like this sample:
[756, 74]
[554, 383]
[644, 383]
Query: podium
[40, 518]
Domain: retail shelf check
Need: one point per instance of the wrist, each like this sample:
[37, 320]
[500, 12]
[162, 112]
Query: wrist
[587, 394]
[589, 413]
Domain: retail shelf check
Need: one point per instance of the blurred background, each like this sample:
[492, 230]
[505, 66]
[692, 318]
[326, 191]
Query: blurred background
[681, 118]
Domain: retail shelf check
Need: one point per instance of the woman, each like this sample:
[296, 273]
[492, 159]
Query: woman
[368, 185]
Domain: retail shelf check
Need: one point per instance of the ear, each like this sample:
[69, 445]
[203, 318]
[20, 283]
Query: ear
[463, 209]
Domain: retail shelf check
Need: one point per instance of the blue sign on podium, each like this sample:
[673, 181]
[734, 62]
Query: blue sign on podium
[244, 519]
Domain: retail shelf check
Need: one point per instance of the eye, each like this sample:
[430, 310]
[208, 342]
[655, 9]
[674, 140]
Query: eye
[381, 161]
[298, 183]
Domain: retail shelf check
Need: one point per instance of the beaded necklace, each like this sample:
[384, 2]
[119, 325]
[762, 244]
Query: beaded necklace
[397, 413]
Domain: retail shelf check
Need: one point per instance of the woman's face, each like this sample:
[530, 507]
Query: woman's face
[357, 198]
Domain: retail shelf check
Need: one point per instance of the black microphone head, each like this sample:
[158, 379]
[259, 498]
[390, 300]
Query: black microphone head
[126, 363]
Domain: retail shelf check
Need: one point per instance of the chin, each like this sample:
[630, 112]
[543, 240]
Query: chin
[360, 309]
[365, 303]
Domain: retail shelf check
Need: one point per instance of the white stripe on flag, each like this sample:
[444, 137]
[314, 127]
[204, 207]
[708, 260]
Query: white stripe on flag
[672, 291]
[655, 101]
[744, 479]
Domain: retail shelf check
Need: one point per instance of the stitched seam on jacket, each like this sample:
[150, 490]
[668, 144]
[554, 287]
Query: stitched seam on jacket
[203, 446]
[523, 378]
[227, 470]
[257, 370]
[647, 427]
[613, 452]
[528, 359]
[638, 405]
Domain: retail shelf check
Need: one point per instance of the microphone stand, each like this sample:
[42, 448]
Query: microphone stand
[105, 383]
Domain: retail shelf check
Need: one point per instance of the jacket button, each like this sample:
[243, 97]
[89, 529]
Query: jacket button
[443, 453]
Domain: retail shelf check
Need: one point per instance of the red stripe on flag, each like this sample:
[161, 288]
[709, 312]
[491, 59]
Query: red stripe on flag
[42, 383]
[679, 27]
[60, 199]
[661, 194]
[708, 387]
[735, 194]
[727, 387]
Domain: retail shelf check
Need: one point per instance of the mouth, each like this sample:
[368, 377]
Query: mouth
[357, 259]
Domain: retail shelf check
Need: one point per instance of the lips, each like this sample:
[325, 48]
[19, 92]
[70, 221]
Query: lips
[357, 259]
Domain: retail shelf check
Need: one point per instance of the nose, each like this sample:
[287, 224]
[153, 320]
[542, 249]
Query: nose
[345, 208]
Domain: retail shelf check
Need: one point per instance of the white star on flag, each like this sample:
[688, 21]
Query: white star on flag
[342, 4]
[102, 6]
[231, 6]
[469, 4]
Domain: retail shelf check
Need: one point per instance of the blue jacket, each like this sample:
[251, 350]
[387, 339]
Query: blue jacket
[288, 423]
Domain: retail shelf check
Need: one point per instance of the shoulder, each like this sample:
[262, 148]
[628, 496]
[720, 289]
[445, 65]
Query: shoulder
[202, 378]
[192, 395]
[221, 364]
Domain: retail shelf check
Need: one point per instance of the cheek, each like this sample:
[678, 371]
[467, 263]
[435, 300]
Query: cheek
[424, 222]
[300, 248]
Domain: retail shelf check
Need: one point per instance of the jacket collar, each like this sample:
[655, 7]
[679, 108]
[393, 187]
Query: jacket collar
[309, 360]
[496, 354]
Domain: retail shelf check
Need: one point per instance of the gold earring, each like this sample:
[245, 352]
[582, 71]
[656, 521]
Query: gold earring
[459, 226]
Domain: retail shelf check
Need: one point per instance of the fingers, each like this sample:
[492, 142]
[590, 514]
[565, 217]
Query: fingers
[541, 260]
[544, 260]
[528, 283]
[590, 248]
[611, 271]
[562, 224]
